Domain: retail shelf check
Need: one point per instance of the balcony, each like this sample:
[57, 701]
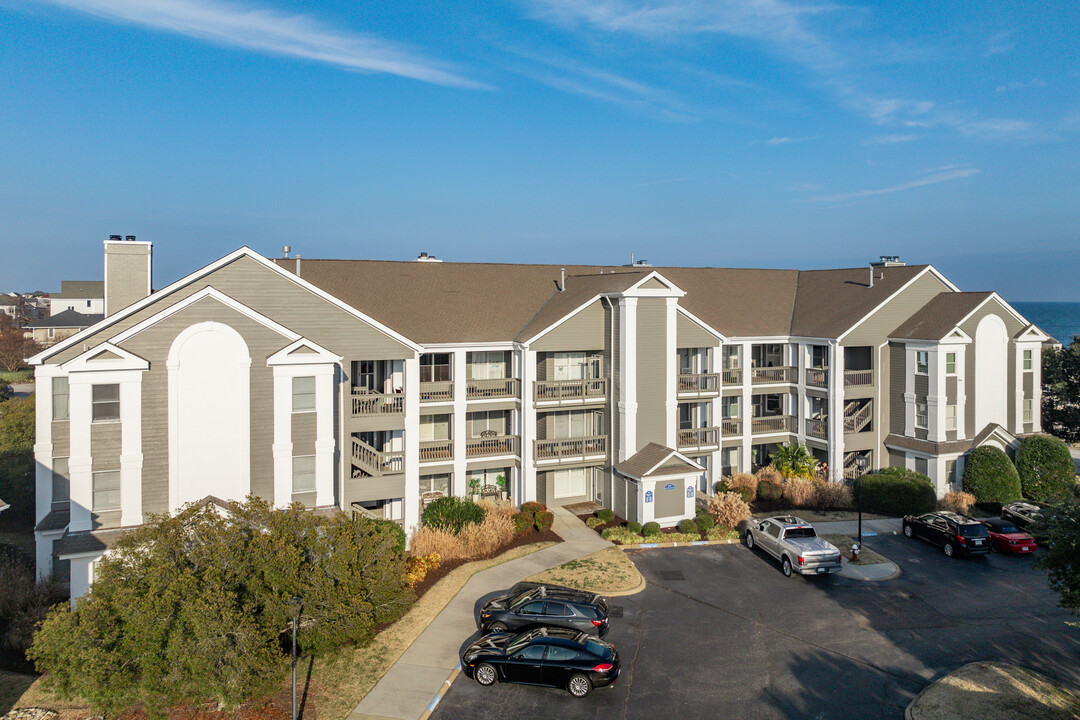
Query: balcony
[858, 378]
[368, 404]
[441, 391]
[699, 385]
[731, 426]
[732, 376]
[773, 375]
[493, 388]
[570, 450]
[817, 377]
[569, 392]
[491, 446]
[436, 450]
[768, 424]
[816, 428]
[697, 439]
[376, 462]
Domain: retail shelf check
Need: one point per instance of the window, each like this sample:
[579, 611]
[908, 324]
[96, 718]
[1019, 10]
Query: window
[487, 365]
[921, 415]
[1028, 410]
[533, 608]
[950, 363]
[434, 427]
[557, 609]
[303, 473]
[819, 357]
[570, 483]
[435, 483]
[1027, 359]
[61, 485]
[87, 303]
[922, 466]
[435, 367]
[570, 366]
[922, 362]
[364, 376]
[575, 423]
[729, 407]
[303, 394]
[731, 357]
[59, 398]
[562, 654]
[534, 652]
[107, 490]
[490, 421]
[52, 332]
[729, 460]
[950, 417]
[106, 403]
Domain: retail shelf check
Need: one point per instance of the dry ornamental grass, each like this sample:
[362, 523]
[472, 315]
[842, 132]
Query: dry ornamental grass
[728, 509]
[744, 480]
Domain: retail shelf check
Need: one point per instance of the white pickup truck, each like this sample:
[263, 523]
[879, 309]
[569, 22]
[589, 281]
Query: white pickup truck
[795, 544]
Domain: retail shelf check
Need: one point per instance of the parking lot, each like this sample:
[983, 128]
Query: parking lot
[720, 632]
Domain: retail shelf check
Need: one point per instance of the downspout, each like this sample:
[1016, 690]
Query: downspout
[611, 402]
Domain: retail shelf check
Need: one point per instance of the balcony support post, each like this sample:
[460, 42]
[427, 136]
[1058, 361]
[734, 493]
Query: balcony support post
[836, 411]
[411, 443]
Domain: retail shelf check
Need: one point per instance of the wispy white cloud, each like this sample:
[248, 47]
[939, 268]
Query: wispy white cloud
[1020, 85]
[273, 32]
[784, 140]
[932, 177]
[891, 139]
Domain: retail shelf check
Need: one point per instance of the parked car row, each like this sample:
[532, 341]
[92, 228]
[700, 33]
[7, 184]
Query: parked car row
[958, 534]
[543, 635]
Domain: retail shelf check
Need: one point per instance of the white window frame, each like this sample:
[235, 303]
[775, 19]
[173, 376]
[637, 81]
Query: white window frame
[57, 414]
[99, 478]
[924, 414]
[426, 429]
[61, 475]
[1028, 357]
[95, 404]
[565, 480]
[1029, 410]
[303, 399]
[302, 473]
[950, 359]
[950, 417]
[922, 362]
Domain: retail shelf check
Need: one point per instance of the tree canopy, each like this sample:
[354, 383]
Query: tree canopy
[1060, 553]
[1061, 391]
[1046, 468]
[15, 347]
[196, 606]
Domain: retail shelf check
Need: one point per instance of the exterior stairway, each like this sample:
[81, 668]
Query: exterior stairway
[857, 418]
[374, 462]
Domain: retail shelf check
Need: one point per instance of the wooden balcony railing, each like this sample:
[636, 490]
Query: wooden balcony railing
[857, 418]
[441, 391]
[817, 428]
[698, 438]
[699, 384]
[732, 376]
[366, 404]
[376, 462]
[434, 450]
[572, 448]
[569, 391]
[498, 445]
[731, 426]
[767, 375]
[494, 388]
[773, 424]
[816, 377]
[855, 378]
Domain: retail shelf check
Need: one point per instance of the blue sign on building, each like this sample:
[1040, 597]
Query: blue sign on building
[669, 486]
[648, 496]
[689, 491]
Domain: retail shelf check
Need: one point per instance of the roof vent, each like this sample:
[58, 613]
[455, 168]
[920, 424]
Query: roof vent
[888, 261]
[424, 257]
[129, 238]
[116, 238]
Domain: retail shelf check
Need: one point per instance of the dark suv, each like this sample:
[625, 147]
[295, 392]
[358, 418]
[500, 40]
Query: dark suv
[545, 605]
[953, 532]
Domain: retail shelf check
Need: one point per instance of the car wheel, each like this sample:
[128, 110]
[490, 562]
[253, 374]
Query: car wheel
[750, 540]
[785, 567]
[497, 627]
[485, 674]
[949, 549]
[908, 531]
[994, 547]
[579, 686]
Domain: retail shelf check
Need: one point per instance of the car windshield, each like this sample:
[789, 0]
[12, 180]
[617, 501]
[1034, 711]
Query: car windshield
[972, 530]
[1007, 529]
[600, 649]
[800, 532]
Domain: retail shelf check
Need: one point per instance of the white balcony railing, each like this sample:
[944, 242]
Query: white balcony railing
[493, 388]
[571, 448]
[732, 376]
[817, 377]
[441, 391]
[773, 424]
[435, 450]
[770, 375]
[367, 404]
[570, 391]
[816, 428]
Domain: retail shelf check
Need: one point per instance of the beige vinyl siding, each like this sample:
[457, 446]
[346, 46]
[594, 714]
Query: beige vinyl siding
[653, 284]
[618, 499]
[670, 502]
[1029, 384]
[897, 383]
[579, 332]
[970, 382]
[992, 307]
[632, 490]
[303, 434]
[652, 360]
[951, 389]
[541, 487]
[61, 438]
[373, 488]
[897, 458]
[874, 329]
[691, 335]
[105, 445]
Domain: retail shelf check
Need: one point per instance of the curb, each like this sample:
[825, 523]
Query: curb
[631, 591]
[650, 546]
[895, 574]
[442, 691]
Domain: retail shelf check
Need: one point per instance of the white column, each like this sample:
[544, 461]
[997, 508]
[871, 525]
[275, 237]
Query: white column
[82, 571]
[411, 442]
[131, 456]
[43, 449]
[646, 510]
[325, 444]
[936, 397]
[527, 492]
[627, 405]
[836, 411]
[801, 361]
[671, 380]
[1036, 394]
[80, 461]
[961, 391]
[746, 409]
[458, 429]
[282, 447]
[716, 406]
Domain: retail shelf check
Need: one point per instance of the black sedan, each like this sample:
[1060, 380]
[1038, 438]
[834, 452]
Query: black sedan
[1025, 515]
[545, 605]
[557, 657]
[953, 532]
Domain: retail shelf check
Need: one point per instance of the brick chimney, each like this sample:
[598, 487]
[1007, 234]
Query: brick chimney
[127, 272]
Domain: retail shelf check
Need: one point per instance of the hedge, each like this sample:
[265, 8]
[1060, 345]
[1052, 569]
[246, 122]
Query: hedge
[634, 527]
[1046, 468]
[606, 515]
[897, 491]
[452, 514]
[990, 476]
[705, 522]
[544, 521]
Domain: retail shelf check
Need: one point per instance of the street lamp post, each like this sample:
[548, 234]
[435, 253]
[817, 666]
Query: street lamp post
[861, 463]
[299, 603]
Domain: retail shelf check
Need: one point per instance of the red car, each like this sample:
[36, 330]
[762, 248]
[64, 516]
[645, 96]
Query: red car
[1007, 538]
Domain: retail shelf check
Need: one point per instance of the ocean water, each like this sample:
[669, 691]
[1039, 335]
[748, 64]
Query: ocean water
[1059, 319]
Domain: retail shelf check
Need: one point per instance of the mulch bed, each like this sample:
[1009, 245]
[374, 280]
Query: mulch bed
[617, 522]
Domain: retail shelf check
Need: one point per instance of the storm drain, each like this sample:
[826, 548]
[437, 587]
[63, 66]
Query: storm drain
[673, 575]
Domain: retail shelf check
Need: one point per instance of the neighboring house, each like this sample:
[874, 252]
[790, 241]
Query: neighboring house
[9, 304]
[81, 296]
[376, 386]
[52, 330]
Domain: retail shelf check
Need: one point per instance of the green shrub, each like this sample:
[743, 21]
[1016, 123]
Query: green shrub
[533, 507]
[452, 514]
[606, 515]
[544, 521]
[720, 486]
[705, 522]
[594, 522]
[687, 526]
[634, 527]
[1046, 468]
[395, 530]
[990, 476]
[769, 491]
[650, 528]
[722, 532]
[679, 537]
[747, 494]
[897, 491]
[620, 536]
[524, 523]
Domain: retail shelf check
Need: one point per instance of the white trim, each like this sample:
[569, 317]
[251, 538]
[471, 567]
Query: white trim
[320, 356]
[636, 290]
[86, 362]
[1001, 301]
[902, 288]
[1031, 329]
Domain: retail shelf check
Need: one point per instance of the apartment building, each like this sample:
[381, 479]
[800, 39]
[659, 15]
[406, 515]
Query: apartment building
[378, 386]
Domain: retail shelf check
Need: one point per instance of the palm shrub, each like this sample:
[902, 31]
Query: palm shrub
[1046, 468]
[990, 476]
[794, 460]
[452, 514]
[897, 491]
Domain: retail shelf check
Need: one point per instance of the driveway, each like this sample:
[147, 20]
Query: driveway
[720, 632]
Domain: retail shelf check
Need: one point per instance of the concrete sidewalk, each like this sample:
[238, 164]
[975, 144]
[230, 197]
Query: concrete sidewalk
[413, 685]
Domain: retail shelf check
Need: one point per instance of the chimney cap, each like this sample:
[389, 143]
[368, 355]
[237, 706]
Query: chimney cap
[130, 238]
[116, 238]
[888, 261]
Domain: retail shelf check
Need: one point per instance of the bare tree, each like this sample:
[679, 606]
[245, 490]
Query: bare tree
[15, 345]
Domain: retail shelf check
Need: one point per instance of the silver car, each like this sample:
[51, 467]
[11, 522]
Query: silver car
[795, 544]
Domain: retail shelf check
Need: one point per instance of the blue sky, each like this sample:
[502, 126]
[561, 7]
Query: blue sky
[765, 133]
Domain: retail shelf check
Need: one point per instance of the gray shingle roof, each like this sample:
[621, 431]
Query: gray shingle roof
[87, 541]
[67, 319]
[80, 289]
[646, 463]
[937, 318]
[57, 519]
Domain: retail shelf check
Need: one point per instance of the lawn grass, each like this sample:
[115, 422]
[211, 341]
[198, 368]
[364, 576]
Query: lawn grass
[19, 376]
[607, 572]
[844, 543]
[994, 691]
